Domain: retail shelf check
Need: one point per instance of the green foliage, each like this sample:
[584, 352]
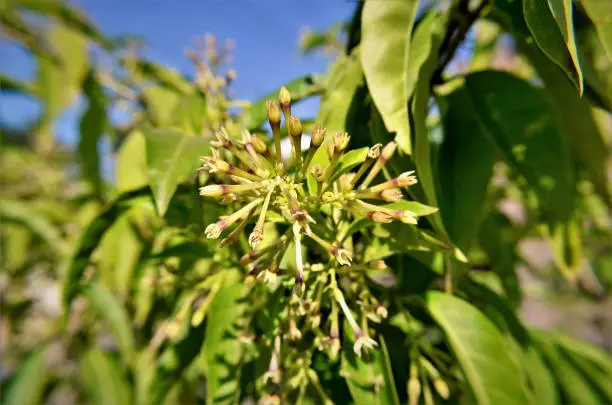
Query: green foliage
[418, 298]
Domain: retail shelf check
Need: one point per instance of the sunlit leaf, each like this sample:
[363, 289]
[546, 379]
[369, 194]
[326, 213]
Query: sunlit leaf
[477, 343]
[105, 384]
[28, 388]
[386, 29]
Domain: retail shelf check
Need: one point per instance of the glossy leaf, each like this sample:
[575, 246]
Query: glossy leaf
[171, 158]
[161, 103]
[105, 384]
[88, 241]
[223, 351]
[465, 167]
[28, 388]
[477, 343]
[522, 125]
[386, 29]
[301, 88]
[115, 316]
[131, 164]
[350, 160]
[550, 24]
[92, 126]
[369, 377]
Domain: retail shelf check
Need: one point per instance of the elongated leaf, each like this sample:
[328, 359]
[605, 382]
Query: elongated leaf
[386, 29]
[167, 77]
[29, 36]
[600, 13]
[419, 209]
[18, 212]
[131, 166]
[477, 343]
[576, 121]
[10, 85]
[105, 384]
[465, 167]
[223, 351]
[573, 385]
[28, 388]
[115, 316]
[522, 125]
[171, 157]
[543, 387]
[369, 378]
[92, 127]
[88, 241]
[301, 88]
[550, 37]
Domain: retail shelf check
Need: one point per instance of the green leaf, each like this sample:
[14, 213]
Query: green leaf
[576, 121]
[465, 167]
[386, 29]
[343, 80]
[601, 14]
[131, 165]
[223, 352]
[88, 241]
[350, 160]
[105, 384]
[369, 378]
[477, 343]
[92, 127]
[522, 125]
[190, 113]
[21, 213]
[544, 390]
[171, 158]
[426, 42]
[168, 77]
[419, 209]
[161, 104]
[551, 24]
[301, 88]
[574, 387]
[10, 85]
[115, 316]
[28, 387]
[29, 36]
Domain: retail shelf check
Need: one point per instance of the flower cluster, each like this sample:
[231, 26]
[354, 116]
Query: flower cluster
[314, 196]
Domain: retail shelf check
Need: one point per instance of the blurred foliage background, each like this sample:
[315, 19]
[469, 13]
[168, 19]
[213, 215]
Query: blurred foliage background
[502, 107]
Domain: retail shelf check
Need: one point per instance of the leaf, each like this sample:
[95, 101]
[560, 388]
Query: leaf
[29, 36]
[576, 121]
[92, 127]
[600, 13]
[104, 382]
[20, 213]
[88, 241]
[28, 387]
[477, 343]
[543, 387]
[521, 123]
[223, 352]
[171, 157]
[571, 383]
[161, 103]
[343, 80]
[67, 16]
[300, 88]
[551, 24]
[419, 209]
[190, 113]
[168, 77]
[131, 164]
[386, 29]
[465, 167]
[426, 42]
[10, 85]
[369, 378]
[115, 316]
[350, 160]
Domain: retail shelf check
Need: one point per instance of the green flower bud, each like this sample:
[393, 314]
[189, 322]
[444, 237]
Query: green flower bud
[295, 127]
[284, 98]
[318, 136]
[274, 114]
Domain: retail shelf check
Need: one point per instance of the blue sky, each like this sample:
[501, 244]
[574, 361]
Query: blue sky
[265, 32]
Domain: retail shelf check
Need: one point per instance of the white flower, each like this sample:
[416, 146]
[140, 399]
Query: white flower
[213, 231]
[363, 342]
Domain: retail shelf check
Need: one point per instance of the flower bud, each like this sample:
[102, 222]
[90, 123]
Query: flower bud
[380, 217]
[391, 195]
[441, 387]
[213, 231]
[213, 190]
[317, 172]
[374, 151]
[414, 390]
[388, 151]
[406, 179]
[328, 197]
[382, 312]
[259, 145]
[341, 141]
[284, 98]
[295, 127]
[274, 114]
[318, 135]
[231, 75]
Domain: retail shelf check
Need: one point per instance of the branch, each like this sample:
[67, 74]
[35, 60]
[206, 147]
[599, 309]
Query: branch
[457, 30]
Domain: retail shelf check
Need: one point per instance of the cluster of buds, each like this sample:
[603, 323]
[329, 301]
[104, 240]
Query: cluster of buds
[315, 195]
